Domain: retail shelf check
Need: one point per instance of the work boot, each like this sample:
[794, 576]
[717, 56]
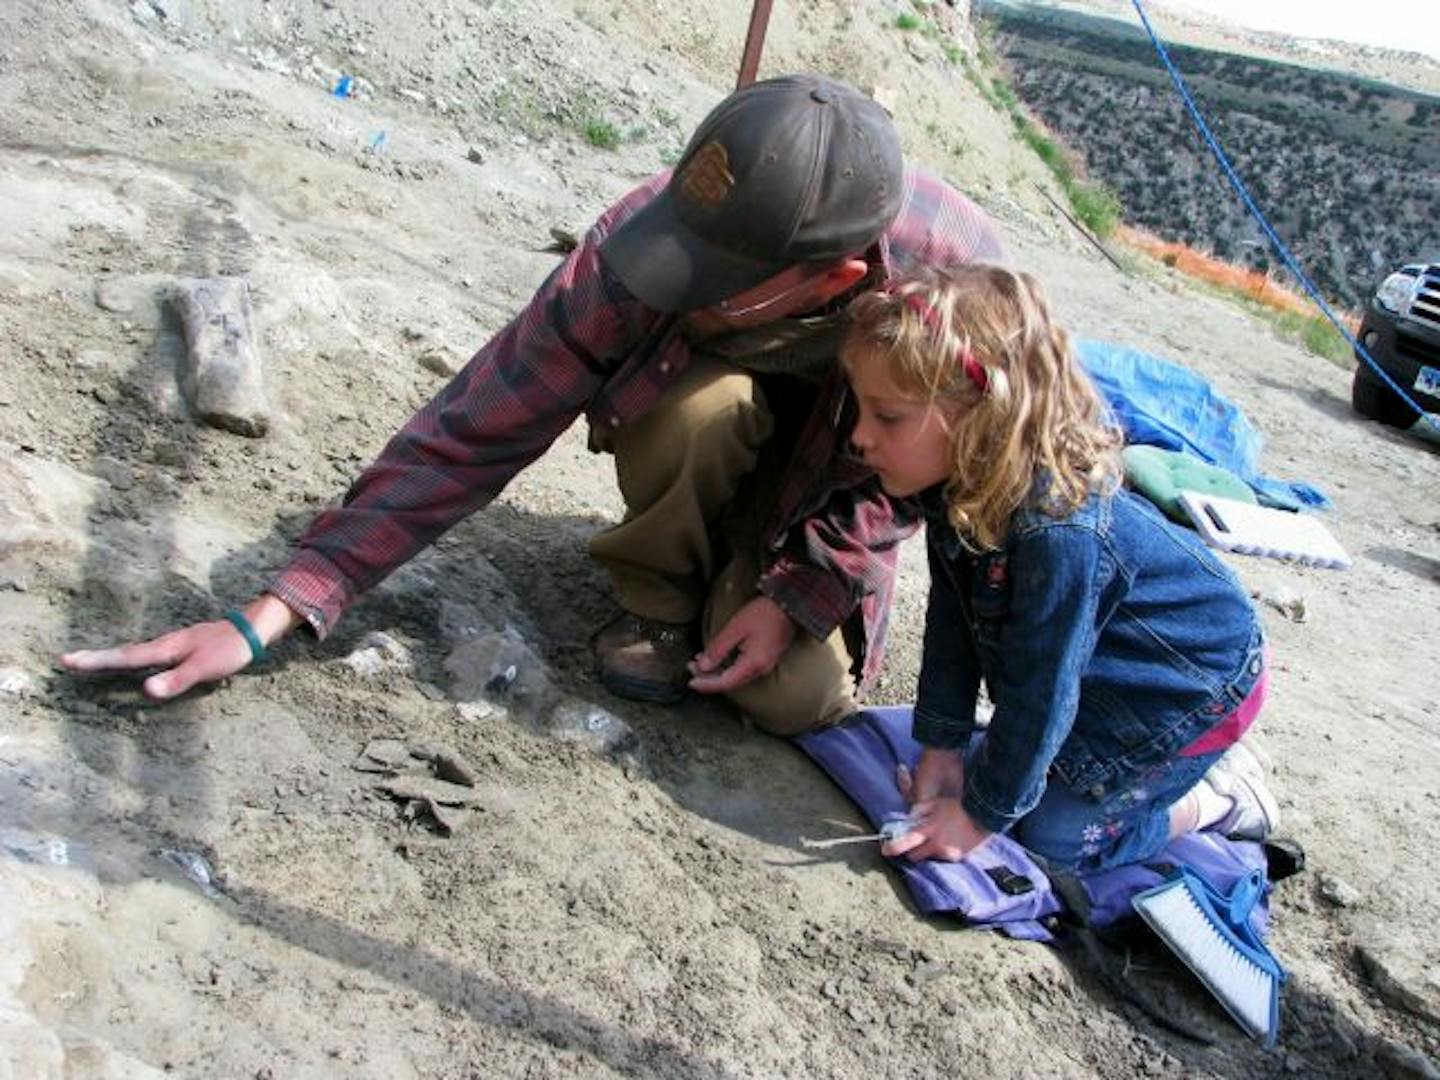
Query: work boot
[1240, 777]
[645, 659]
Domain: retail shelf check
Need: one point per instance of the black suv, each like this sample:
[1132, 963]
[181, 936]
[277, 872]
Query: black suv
[1401, 332]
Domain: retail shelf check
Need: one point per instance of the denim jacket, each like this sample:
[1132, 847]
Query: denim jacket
[1108, 640]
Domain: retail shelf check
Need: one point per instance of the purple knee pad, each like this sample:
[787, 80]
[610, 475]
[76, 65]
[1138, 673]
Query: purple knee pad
[1001, 885]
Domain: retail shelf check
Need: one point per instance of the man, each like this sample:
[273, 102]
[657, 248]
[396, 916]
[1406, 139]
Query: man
[696, 326]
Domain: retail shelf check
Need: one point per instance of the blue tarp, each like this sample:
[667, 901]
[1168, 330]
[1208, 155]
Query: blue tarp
[1160, 403]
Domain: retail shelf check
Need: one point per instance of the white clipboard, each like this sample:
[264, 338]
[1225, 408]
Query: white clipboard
[1259, 530]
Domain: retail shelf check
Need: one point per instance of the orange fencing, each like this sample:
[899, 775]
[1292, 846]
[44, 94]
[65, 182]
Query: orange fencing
[1254, 284]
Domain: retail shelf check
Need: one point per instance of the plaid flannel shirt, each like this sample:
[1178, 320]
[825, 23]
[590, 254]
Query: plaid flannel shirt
[583, 344]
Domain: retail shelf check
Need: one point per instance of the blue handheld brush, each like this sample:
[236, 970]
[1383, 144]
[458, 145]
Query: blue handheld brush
[1211, 932]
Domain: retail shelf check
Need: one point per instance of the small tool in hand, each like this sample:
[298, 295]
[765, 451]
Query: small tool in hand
[891, 830]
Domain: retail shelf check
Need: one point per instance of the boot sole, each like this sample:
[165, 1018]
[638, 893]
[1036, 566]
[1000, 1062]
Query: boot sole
[655, 693]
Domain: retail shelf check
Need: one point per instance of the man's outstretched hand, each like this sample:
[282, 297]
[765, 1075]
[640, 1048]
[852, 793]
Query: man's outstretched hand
[203, 653]
[748, 646]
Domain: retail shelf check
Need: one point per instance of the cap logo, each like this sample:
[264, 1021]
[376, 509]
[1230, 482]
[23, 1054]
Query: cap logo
[707, 178]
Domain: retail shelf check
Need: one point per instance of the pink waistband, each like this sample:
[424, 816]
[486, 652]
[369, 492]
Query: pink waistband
[1234, 724]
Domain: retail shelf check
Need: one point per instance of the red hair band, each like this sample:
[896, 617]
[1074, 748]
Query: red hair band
[974, 370]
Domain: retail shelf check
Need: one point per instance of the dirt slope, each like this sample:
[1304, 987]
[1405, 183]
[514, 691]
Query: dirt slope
[644, 912]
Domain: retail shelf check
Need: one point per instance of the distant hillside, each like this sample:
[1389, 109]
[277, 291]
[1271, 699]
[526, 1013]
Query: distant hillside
[1181, 23]
[1347, 169]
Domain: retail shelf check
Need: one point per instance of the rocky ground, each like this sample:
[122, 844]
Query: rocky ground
[211, 888]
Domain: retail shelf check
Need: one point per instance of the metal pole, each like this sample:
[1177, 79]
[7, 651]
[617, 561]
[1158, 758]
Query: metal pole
[754, 42]
[1081, 229]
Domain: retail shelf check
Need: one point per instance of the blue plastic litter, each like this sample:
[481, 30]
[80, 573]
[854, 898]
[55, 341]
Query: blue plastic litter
[1161, 403]
[345, 87]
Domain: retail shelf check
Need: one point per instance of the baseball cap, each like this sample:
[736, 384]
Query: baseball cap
[796, 169]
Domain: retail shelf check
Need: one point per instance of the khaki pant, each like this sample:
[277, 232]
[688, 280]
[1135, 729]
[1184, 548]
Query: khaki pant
[689, 547]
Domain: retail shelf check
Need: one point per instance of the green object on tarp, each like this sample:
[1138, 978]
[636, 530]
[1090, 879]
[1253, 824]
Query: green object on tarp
[1160, 475]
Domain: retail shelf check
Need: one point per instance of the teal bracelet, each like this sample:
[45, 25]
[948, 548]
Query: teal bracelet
[241, 623]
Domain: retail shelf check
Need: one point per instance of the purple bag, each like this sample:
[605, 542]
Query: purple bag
[1001, 886]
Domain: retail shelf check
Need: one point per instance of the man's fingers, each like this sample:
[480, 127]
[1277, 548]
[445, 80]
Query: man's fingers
[208, 660]
[718, 651]
[703, 664]
[161, 652]
[721, 682]
[198, 654]
[197, 668]
[164, 686]
[95, 659]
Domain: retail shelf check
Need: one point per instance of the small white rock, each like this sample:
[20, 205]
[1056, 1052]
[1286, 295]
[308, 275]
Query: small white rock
[441, 362]
[1338, 891]
[378, 652]
[1286, 601]
[474, 710]
[17, 683]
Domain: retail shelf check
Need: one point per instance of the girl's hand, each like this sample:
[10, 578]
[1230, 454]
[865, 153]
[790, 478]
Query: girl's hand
[938, 773]
[943, 831]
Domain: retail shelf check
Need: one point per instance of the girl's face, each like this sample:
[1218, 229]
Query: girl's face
[906, 440]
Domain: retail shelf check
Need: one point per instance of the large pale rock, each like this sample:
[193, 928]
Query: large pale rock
[54, 533]
[220, 374]
[27, 1047]
[47, 917]
[1400, 969]
[43, 505]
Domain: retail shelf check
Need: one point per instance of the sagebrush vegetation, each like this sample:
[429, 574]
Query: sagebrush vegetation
[1346, 169]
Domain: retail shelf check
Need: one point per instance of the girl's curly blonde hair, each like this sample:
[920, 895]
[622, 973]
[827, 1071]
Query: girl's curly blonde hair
[1026, 419]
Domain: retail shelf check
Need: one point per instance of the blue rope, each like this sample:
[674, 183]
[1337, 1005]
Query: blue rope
[1258, 215]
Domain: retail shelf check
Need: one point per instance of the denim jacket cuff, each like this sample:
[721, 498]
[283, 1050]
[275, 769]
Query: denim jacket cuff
[984, 815]
[941, 733]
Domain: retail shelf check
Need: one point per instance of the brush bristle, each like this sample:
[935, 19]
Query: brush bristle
[1246, 988]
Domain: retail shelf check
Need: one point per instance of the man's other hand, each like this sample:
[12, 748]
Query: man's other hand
[747, 647]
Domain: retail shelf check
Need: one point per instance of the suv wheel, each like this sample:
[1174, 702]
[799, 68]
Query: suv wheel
[1377, 401]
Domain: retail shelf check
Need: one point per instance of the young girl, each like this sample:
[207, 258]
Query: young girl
[1123, 659]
